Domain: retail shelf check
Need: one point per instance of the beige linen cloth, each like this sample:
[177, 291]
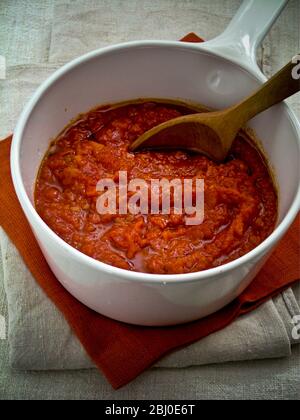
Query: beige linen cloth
[36, 38]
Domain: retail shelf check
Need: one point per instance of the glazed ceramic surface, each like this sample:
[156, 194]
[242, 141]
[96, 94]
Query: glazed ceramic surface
[217, 73]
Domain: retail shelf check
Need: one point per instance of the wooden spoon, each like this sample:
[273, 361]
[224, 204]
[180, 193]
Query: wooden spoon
[212, 133]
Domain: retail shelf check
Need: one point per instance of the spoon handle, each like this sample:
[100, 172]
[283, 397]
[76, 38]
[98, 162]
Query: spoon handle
[285, 83]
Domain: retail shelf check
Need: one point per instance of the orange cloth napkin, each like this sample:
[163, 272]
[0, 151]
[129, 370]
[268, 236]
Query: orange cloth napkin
[123, 351]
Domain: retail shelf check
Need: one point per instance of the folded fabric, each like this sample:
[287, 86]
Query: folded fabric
[123, 351]
[40, 338]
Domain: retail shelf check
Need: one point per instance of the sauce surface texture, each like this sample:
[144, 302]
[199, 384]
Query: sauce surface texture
[240, 205]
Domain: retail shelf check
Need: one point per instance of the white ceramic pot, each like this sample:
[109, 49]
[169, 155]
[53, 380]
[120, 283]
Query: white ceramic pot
[217, 73]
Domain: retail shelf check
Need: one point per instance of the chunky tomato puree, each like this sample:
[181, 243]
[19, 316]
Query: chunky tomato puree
[240, 199]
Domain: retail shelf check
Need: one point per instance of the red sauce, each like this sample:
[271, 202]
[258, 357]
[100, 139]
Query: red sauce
[240, 198]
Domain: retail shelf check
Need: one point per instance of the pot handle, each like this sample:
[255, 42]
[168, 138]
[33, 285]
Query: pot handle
[246, 31]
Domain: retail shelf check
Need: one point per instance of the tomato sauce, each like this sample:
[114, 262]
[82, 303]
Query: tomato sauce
[240, 206]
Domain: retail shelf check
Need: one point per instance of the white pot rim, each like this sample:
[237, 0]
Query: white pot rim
[148, 278]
